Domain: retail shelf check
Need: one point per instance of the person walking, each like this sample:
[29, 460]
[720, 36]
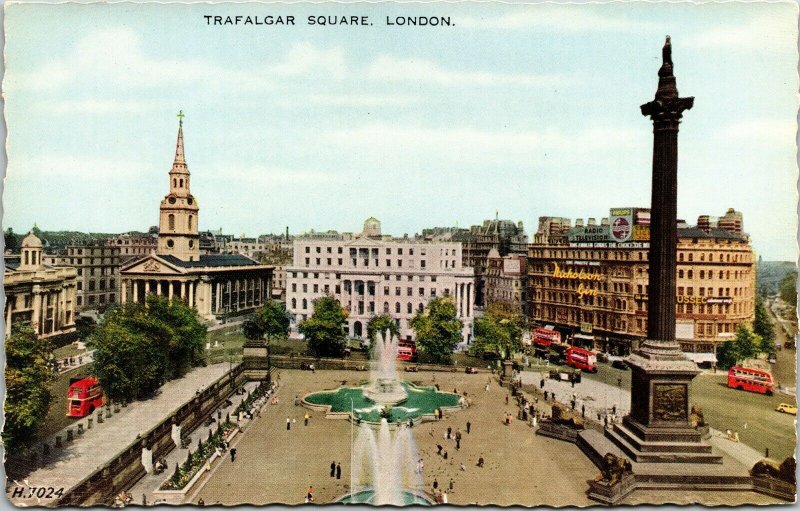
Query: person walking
[469, 426]
[439, 449]
[545, 395]
[310, 494]
[333, 468]
[583, 409]
[305, 419]
[435, 484]
[452, 484]
[458, 443]
[338, 471]
[449, 432]
[288, 423]
[233, 454]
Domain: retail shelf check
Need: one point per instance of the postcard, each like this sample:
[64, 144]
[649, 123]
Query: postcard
[400, 253]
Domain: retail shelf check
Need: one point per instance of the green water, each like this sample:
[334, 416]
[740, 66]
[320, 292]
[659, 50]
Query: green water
[421, 401]
[366, 497]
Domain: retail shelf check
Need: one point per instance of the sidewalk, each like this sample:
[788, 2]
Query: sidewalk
[150, 482]
[598, 397]
[67, 466]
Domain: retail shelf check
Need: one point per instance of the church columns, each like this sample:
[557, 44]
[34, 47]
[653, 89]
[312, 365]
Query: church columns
[37, 309]
[10, 301]
[171, 285]
[146, 288]
[135, 286]
[191, 294]
[123, 291]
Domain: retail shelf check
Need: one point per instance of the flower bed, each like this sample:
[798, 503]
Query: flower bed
[195, 461]
[251, 398]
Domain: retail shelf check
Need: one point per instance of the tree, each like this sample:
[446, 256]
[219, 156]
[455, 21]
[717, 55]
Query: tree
[726, 355]
[139, 347]
[325, 329]
[762, 326]
[11, 241]
[438, 330]
[85, 325]
[746, 342]
[379, 325]
[28, 376]
[271, 320]
[788, 288]
[499, 330]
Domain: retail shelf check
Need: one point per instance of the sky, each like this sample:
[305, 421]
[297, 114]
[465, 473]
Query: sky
[523, 110]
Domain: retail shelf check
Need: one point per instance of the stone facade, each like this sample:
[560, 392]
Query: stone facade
[39, 294]
[371, 277]
[133, 245]
[506, 280]
[715, 289]
[97, 267]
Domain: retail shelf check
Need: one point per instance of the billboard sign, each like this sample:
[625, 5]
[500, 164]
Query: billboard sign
[621, 224]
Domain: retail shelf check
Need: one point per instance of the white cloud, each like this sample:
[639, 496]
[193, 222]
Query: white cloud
[362, 100]
[393, 69]
[478, 147]
[556, 18]
[758, 33]
[93, 106]
[762, 132]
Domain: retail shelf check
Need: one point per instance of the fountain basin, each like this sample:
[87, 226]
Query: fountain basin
[386, 392]
[367, 496]
[419, 401]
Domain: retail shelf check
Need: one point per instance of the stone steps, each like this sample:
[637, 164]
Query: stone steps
[659, 447]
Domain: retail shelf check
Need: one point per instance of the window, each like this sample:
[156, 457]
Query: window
[305, 304]
[397, 307]
[397, 291]
[308, 250]
[171, 222]
[386, 307]
[190, 222]
[410, 308]
[409, 291]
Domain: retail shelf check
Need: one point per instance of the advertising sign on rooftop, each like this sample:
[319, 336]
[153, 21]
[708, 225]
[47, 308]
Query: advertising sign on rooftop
[621, 221]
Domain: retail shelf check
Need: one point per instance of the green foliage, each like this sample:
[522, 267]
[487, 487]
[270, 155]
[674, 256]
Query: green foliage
[184, 472]
[325, 329]
[85, 326]
[746, 345]
[28, 376]
[272, 320]
[11, 241]
[726, 355]
[438, 330]
[499, 330]
[788, 289]
[762, 326]
[139, 347]
[379, 325]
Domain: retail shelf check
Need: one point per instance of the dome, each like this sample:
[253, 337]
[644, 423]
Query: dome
[31, 241]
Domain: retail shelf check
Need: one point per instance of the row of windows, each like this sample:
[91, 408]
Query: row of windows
[101, 284]
[373, 252]
[105, 270]
[338, 276]
[171, 222]
[96, 299]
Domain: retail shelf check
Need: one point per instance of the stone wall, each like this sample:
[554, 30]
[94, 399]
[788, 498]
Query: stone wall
[124, 470]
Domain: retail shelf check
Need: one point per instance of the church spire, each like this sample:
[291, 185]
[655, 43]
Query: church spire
[180, 159]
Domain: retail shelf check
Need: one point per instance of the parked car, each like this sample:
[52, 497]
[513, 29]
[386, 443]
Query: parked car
[619, 364]
[412, 369]
[786, 408]
[602, 356]
[471, 370]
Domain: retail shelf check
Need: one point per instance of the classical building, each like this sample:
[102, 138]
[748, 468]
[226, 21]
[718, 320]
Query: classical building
[216, 284]
[505, 280]
[370, 277]
[591, 281]
[133, 245]
[504, 236]
[97, 266]
[38, 294]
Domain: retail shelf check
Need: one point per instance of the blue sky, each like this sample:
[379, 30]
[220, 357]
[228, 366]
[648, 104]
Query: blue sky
[531, 110]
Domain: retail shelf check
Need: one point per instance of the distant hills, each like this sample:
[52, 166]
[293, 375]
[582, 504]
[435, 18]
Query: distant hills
[770, 273]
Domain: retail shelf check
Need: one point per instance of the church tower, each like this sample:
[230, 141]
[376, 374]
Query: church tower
[177, 228]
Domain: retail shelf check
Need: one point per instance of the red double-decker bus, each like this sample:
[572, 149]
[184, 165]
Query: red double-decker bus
[751, 380]
[583, 359]
[83, 397]
[407, 351]
[542, 339]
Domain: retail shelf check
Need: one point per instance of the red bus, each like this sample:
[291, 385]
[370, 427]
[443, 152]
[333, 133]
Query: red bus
[83, 397]
[542, 339]
[407, 351]
[583, 359]
[751, 380]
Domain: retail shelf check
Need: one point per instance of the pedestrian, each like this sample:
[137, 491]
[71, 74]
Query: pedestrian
[305, 419]
[333, 468]
[144, 499]
[572, 404]
[480, 462]
[201, 502]
[506, 398]
[449, 432]
[233, 454]
[219, 414]
[533, 421]
[310, 494]
[452, 483]
[614, 410]
[441, 413]
[463, 468]
[445, 455]
[541, 383]
[338, 471]
[469, 426]
[435, 484]
[583, 410]
[605, 421]
[288, 423]
[438, 449]
[486, 388]
[553, 396]
[545, 395]
[458, 443]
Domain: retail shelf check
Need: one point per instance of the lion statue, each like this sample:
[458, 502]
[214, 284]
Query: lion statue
[696, 417]
[614, 467]
[770, 468]
[564, 416]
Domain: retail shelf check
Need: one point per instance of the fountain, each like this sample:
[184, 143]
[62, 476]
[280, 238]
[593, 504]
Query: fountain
[384, 468]
[385, 389]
